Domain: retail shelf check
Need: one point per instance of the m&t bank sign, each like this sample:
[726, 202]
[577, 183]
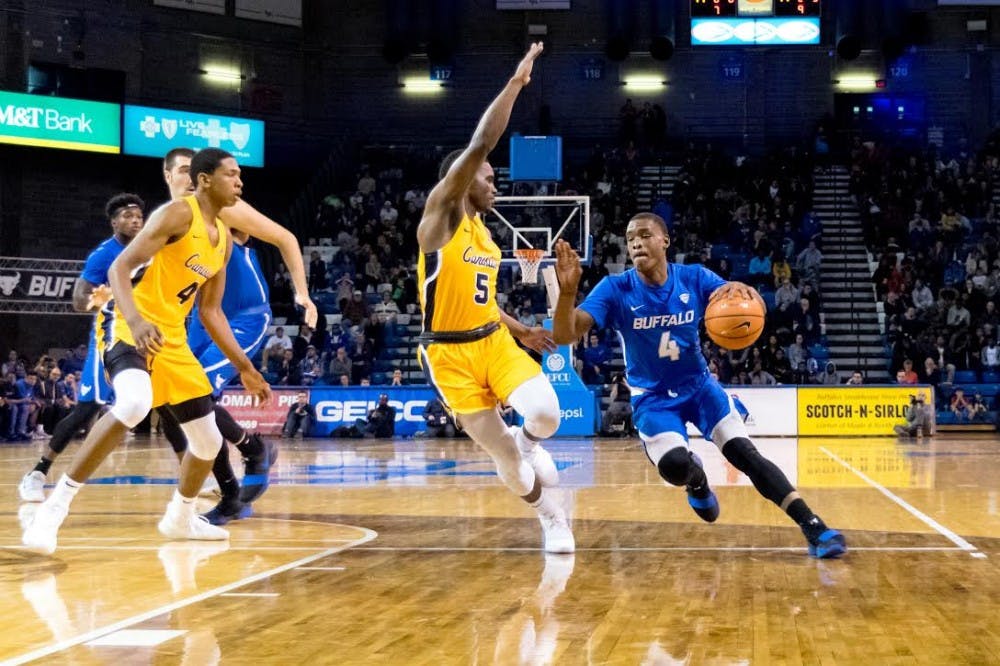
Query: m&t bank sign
[154, 132]
[59, 122]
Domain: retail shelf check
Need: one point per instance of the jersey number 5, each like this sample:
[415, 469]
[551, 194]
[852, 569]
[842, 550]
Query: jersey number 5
[482, 289]
[187, 292]
[668, 347]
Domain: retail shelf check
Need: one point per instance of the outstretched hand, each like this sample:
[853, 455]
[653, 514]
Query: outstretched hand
[523, 72]
[568, 269]
[99, 297]
[538, 339]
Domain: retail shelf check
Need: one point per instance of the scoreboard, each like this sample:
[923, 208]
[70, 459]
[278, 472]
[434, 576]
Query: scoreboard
[753, 8]
[754, 22]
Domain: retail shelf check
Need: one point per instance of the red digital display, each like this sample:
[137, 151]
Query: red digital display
[796, 7]
[713, 8]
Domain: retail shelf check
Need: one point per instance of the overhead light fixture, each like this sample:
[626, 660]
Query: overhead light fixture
[222, 74]
[644, 83]
[421, 85]
[857, 83]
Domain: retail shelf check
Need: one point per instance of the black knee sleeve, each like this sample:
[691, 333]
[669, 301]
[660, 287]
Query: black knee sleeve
[79, 418]
[172, 430]
[676, 466]
[228, 426]
[766, 477]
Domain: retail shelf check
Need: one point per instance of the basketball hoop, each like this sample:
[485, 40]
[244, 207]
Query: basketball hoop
[529, 259]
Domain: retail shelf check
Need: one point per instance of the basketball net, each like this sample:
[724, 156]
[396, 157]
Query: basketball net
[529, 259]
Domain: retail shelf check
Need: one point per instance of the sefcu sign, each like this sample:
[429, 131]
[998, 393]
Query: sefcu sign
[59, 122]
[154, 132]
[578, 411]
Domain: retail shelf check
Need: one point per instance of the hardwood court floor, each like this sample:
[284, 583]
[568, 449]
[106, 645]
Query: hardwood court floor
[411, 552]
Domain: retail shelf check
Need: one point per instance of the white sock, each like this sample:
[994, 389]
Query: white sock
[523, 443]
[65, 490]
[547, 503]
[185, 505]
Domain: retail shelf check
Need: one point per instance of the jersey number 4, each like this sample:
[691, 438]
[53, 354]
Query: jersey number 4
[668, 347]
[187, 292]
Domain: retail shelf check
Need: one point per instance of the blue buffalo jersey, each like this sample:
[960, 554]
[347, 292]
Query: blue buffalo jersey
[93, 384]
[658, 326]
[245, 302]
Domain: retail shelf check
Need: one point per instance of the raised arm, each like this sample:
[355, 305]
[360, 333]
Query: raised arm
[443, 210]
[569, 323]
[167, 223]
[215, 322]
[249, 220]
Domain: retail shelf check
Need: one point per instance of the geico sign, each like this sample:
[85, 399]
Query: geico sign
[347, 411]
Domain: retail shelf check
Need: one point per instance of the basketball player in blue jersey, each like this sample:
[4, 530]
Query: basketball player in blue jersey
[245, 304]
[91, 291]
[656, 308]
[467, 345]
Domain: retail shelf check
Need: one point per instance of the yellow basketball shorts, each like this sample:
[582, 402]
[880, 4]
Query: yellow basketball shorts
[473, 376]
[176, 374]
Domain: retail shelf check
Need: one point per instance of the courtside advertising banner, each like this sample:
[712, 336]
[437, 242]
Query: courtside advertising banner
[772, 411]
[856, 410]
[154, 132]
[343, 405]
[38, 285]
[267, 419]
[59, 122]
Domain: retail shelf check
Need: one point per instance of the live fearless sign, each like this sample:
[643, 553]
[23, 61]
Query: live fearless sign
[59, 122]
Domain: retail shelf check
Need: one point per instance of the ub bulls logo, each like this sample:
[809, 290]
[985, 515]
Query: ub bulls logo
[8, 283]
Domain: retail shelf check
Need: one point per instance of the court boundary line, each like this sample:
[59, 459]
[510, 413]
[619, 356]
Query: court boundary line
[38, 653]
[653, 549]
[912, 510]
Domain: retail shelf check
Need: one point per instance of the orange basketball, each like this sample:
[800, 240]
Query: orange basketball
[735, 322]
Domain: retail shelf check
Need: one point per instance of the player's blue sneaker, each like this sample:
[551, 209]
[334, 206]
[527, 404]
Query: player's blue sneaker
[257, 470]
[228, 510]
[707, 508]
[827, 545]
[702, 499]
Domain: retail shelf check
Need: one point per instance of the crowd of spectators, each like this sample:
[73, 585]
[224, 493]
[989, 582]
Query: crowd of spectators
[34, 397]
[933, 229]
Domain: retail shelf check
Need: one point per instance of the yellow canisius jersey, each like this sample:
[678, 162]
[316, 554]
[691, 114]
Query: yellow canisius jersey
[458, 282]
[164, 290]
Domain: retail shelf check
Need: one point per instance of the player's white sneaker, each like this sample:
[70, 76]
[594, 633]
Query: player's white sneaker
[178, 524]
[31, 488]
[42, 533]
[539, 459]
[556, 533]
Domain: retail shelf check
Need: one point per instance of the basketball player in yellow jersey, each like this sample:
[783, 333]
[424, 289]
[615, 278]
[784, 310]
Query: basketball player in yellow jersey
[182, 249]
[467, 346]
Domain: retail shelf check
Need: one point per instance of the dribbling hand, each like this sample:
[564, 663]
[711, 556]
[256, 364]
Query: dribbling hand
[523, 71]
[568, 269]
[148, 338]
[256, 385]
